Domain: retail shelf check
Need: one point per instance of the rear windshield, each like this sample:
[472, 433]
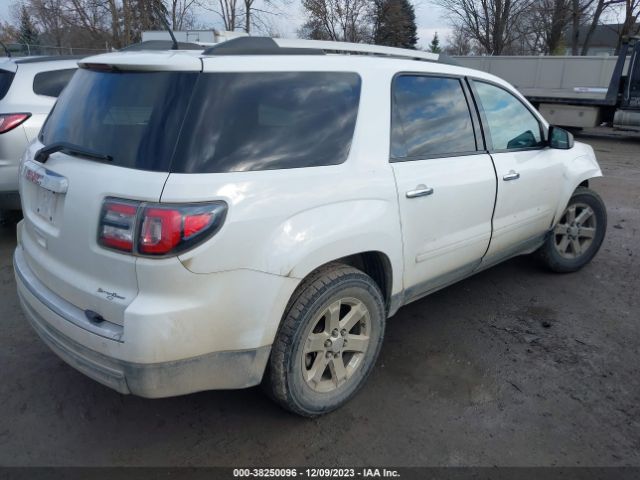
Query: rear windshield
[5, 82]
[235, 121]
[133, 117]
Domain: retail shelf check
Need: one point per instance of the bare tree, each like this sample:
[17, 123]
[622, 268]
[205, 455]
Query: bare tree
[228, 11]
[458, 42]
[586, 13]
[339, 20]
[105, 24]
[50, 16]
[260, 16]
[181, 12]
[489, 22]
[8, 33]
[544, 26]
[245, 15]
[554, 17]
[630, 25]
[600, 7]
[89, 15]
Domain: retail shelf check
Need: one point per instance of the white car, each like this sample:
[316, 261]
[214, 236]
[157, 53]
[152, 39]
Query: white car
[255, 212]
[29, 87]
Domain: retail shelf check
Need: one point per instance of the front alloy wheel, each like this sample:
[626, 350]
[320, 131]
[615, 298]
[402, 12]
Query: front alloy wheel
[575, 231]
[577, 237]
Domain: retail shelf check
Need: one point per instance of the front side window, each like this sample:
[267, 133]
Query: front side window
[430, 118]
[53, 82]
[268, 120]
[511, 124]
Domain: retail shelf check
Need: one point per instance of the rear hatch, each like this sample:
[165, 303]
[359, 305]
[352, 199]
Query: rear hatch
[131, 120]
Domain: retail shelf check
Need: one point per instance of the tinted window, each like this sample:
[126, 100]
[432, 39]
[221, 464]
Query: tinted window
[5, 82]
[269, 120]
[430, 117]
[52, 83]
[511, 124]
[133, 117]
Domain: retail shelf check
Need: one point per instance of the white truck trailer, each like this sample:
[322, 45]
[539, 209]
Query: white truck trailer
[576, 92]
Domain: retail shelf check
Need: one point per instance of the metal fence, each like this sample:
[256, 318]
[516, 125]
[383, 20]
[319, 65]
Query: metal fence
[25, 49]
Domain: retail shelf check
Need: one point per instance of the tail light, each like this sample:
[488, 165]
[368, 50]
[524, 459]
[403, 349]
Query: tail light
[9, 121]
[118, 224]
[157, 229]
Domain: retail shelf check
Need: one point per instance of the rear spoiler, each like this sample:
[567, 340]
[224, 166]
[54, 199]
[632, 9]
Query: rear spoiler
[146, 60]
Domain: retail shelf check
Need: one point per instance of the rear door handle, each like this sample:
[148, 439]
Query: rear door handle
[420, 191]
[512, 175]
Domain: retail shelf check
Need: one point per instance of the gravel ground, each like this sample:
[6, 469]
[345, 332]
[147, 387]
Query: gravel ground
[512, 367]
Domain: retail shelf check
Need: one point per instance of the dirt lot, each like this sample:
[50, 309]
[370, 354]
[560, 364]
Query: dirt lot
[515, 366]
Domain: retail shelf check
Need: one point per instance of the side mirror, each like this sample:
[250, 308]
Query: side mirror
[560, 138]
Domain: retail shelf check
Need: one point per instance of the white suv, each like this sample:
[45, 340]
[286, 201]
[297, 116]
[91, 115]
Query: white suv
[29, 87]
[255, 212]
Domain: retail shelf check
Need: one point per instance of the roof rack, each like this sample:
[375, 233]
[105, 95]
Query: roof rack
[357, 48]
[283, 46]
[257, 46]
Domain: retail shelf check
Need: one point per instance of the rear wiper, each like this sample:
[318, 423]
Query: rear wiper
[42, 155]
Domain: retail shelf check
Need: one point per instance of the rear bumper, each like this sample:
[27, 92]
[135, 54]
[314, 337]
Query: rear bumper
[47, 313]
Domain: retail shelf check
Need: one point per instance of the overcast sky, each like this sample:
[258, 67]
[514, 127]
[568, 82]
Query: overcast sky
[428, 18]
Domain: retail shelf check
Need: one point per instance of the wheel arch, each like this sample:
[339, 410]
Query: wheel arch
[378, 266]
[374, 263]
[578, 172]
[569, 191]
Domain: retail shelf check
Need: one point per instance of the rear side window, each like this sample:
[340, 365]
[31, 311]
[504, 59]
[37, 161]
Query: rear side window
[5, 82]
[269, 120]
[511, 125]
[53, 82]
[134, 117]
[430, 117]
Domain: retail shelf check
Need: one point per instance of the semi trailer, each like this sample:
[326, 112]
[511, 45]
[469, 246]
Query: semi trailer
[575, 92]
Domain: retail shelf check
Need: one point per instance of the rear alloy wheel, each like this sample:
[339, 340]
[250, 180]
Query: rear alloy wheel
[328, 341]
[579, 233]
[336, 344]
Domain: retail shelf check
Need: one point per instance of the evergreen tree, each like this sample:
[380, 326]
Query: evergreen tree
[27, 33]
[434, 47]
[394, 24]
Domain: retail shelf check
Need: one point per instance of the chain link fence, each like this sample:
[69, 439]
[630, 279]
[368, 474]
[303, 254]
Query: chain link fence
[26, 50]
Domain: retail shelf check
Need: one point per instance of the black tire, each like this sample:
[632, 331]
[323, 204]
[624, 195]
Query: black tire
[550, 254]
[284, 379]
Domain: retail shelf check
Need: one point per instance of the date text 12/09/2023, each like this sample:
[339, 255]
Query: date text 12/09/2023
[316, 472]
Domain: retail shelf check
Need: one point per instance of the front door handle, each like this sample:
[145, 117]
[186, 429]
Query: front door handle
[420, 191]
[512, 175]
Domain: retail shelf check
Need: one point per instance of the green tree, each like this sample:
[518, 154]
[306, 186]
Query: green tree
[27, 31]
[394, 24]
[434, 46]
